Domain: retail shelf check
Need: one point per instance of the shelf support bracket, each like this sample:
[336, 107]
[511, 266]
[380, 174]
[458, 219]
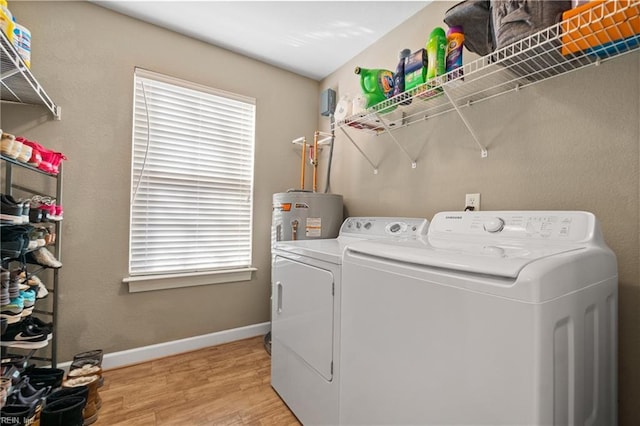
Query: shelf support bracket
[373, 166]
[386, 128]
[483, 150]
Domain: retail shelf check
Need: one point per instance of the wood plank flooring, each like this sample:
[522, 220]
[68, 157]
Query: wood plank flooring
[222, 385]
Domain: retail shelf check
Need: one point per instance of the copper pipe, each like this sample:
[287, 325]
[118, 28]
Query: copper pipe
[304, 160]
[315, 161]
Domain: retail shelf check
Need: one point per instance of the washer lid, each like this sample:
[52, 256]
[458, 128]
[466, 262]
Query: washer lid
[489, 257]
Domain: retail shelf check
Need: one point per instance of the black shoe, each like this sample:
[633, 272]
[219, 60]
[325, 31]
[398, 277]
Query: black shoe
[10, 210]
[40, 377]
[17, 415]
[46, 327]
[25, 394]
[15, 240]
[81, 391]
[25, 336]
[63, 412]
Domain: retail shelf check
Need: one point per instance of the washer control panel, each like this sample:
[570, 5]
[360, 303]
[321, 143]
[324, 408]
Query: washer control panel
[531, 225]
[384, 227]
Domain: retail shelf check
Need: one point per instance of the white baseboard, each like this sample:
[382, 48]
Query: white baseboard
[161, 350]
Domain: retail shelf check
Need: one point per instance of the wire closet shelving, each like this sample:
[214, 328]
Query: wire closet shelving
[603, 31]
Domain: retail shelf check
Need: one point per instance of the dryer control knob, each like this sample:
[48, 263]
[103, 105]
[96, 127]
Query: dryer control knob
[494, 224]
[367, 225]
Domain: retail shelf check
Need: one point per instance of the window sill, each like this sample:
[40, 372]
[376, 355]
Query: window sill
[164, 282]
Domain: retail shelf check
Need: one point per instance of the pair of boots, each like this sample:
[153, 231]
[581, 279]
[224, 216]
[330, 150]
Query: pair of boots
[78, 401]
[75, 404]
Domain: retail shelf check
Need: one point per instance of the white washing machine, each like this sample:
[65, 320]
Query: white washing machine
[495, 318]
[305, 317]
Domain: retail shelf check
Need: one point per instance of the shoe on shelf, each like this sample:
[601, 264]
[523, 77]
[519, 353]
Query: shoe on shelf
[9, 146]
[25, 154]
[43, 257]
[35, 284]
[26, 208]
[29, 301]
[13, 360]
[25, 394]
[14, 283]
[15, 240]
[37, 235]
[4, 290]
[50, 160]
[12, 311]
[10, 210]
[57, 217]
[35, 215]
[46, 327]
[24, 336]
[36, 158]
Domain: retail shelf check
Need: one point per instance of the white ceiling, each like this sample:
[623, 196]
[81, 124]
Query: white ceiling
[311, 38]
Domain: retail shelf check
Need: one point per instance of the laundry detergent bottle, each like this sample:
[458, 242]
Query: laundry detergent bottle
[455, 41]
[398, 77]
[436, 53]
[376, 84]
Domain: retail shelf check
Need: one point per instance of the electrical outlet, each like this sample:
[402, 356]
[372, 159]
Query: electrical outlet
[472, 200]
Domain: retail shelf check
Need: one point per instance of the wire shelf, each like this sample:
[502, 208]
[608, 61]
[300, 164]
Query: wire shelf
[602, 31]
[17, 83]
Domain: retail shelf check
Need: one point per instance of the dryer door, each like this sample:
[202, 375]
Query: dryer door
[302, 312]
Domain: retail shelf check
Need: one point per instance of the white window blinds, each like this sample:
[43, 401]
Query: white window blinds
[192, 178]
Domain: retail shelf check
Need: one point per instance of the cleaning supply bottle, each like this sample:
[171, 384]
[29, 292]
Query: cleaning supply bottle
[376, 84]
[436, 54]
[455, 41]
[398, 77]
[6, 20]
[22, 42]
[415, 69]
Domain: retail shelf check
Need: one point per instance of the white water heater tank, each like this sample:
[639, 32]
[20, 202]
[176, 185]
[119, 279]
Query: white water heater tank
[300, 215]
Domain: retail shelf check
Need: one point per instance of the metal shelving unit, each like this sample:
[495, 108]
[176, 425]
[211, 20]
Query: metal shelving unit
[17, 82]
[9, 188]
[604, 31]
[18, 85]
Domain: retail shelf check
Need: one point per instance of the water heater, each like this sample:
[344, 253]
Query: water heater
[301, 215]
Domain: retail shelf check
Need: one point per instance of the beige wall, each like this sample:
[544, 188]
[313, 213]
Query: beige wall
[84, 56]
[567, 143]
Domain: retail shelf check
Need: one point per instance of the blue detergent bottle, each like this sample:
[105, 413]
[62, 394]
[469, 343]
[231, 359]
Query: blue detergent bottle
[398, 77]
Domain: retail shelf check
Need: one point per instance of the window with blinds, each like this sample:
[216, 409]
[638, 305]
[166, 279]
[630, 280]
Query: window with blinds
[192, 178]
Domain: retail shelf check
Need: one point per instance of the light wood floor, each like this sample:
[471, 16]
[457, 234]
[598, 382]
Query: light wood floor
[223, 385]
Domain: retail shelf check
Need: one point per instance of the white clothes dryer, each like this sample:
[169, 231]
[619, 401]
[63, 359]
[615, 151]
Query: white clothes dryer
[495, 318]
[305, 317]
